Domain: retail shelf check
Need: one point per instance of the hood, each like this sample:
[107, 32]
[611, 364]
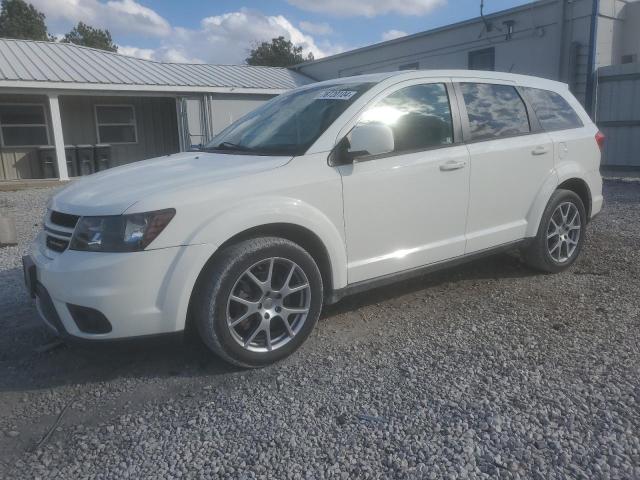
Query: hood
[113, 191]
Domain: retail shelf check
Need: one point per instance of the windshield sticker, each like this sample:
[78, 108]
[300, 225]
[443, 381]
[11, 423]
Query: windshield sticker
[335, 95]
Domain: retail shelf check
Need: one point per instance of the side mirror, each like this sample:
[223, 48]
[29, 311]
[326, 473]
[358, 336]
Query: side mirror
[364, 139]
[371, 139]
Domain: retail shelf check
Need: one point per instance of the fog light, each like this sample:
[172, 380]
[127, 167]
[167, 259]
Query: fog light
[89, 320]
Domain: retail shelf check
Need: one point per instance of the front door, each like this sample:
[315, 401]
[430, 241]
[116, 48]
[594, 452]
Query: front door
[407, 208]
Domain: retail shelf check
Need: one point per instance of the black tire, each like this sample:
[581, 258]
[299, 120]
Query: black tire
[217, 283]
[537, 254]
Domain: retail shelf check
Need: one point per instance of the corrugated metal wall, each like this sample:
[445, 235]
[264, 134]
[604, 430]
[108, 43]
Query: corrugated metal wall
[618, 114]
[156, 122]
[206, 115]
[155, 119]
[226, 109]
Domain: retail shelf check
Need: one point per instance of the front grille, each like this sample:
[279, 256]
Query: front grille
[64, 219]
[59, 229]
[57, 244]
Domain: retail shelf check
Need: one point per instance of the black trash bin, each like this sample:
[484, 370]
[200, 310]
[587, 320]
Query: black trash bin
[103, 157]
[70, 154]
[47, 157]
[85, 160]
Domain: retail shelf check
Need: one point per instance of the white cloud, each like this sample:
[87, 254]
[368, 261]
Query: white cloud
[391, 34]
[119, 16]
[225, 38]
[316, 28]
[368, 8]
[146, 53]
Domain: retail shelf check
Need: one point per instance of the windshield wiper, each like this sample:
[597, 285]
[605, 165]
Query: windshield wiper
[230, 146]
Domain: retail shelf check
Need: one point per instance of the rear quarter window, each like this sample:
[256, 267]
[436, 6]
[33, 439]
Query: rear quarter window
[552, 110]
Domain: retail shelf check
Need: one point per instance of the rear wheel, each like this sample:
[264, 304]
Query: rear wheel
[258, 301]
[561, 233]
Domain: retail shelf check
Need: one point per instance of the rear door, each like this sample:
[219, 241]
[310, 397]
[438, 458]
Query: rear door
[511, 157]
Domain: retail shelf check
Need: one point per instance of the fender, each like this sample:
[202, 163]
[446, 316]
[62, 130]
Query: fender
[566, 170]
[261, 211]
[570, 169]
[540, 203]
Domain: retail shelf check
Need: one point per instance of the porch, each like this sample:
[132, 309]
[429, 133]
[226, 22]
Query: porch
[129, 127]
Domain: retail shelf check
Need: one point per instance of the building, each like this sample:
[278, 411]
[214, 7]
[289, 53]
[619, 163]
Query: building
[565, 40]
[57, 95]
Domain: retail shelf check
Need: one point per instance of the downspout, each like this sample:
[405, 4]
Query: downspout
[592, 58]
[563, 20]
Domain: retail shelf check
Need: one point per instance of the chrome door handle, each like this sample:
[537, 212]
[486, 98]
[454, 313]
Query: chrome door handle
[540, 151]
[452, 165]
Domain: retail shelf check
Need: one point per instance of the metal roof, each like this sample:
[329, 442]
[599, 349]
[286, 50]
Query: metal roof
[26, 63]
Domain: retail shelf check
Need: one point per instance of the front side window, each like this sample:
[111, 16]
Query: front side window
[290, 123]
[494, 110]
[419, 117]
[553, 111]
[116, 124]
[23, 125]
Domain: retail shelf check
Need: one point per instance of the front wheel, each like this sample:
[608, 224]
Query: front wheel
[258, 301]
[561, 233]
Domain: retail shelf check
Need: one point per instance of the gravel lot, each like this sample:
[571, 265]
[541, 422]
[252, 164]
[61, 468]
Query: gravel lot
[489, 370]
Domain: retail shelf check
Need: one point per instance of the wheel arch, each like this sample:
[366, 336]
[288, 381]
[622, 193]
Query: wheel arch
[299, 235]
[568, 177]
[580, 188]
[295, 233]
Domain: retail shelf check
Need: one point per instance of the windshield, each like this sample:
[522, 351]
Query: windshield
[289, 123]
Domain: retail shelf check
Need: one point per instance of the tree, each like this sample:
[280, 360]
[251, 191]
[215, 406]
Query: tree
[21, 20]
[83, 34]
[280, 52]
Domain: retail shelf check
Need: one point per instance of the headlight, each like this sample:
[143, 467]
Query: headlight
[120, 233]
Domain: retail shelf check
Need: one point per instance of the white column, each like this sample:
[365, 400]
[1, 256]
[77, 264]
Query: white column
[181, 125]
[58, 140]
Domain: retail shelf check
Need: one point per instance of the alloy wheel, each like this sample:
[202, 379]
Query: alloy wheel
[563, 232]
[268, 305]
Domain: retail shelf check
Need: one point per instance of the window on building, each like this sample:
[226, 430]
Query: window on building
[116, 124]
[409, 66]
[484, 59]
[632, 58]
[419, 116]
[553, 111]
[23, 125]
[494, 110]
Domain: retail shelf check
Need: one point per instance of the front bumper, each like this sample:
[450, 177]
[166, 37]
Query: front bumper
[139, 293]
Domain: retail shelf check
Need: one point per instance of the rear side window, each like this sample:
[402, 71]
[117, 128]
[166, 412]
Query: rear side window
[494, 110]
[553, 111]
[419, 116]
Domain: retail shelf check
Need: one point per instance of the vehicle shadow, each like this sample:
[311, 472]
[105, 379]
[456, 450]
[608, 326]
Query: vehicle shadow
[494, 267]
[31, 358]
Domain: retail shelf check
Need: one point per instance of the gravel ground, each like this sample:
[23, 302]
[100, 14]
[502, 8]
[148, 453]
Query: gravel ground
[488, 370]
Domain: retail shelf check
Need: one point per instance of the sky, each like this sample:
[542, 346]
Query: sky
[223, 31]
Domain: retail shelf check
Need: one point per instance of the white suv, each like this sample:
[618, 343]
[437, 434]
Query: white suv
[326, 190]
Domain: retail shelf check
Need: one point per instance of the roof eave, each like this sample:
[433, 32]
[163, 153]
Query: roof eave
[123, 88]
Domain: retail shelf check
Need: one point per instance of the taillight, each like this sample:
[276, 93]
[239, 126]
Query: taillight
[600, 139]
